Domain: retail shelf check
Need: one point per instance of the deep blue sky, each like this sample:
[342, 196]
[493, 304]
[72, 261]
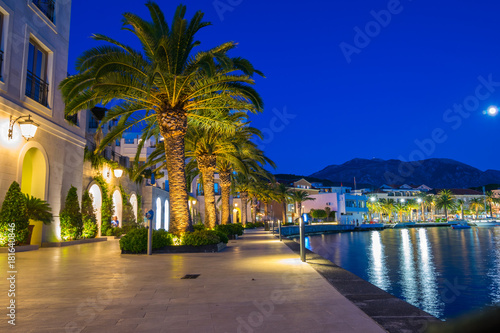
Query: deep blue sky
[395, 90]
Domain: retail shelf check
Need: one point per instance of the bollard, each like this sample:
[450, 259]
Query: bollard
[150, 237]
[302, 240]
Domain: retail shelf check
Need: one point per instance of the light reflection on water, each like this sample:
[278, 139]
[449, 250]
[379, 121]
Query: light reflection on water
[442, 271]
[377, 270]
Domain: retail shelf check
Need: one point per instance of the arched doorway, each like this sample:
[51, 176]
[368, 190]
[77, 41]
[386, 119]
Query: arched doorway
[134, 203]
[34, 173]
[167, 215]
[118, 206]
[158, 213]
[95, 192]
[236, 215]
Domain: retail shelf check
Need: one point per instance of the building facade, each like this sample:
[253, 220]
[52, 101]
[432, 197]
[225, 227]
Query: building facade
[34, 58]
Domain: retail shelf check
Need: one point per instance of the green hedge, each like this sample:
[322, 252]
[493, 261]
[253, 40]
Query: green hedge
[251, 225]
[201, 237]
[230, 229]
[136, 240]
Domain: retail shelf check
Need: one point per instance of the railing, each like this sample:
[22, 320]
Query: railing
[37, 89]
[1, 63]
[47, 7]
[111, 155]
[73, 119]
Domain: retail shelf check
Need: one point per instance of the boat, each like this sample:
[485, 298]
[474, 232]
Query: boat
[484, 223]
[404, 225]
[460, 226]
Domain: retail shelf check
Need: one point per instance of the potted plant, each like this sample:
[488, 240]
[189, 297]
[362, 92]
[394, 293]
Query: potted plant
[39, 213]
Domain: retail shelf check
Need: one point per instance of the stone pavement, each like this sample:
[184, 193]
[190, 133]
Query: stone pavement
[255, 285]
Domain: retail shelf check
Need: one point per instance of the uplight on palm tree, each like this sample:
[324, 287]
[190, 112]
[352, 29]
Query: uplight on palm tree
[446, 201]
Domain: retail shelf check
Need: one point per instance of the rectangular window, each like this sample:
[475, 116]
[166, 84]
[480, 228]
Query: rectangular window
[48, 7]
[37, 87]
[199, 189]
[93, 122]
[216, 188]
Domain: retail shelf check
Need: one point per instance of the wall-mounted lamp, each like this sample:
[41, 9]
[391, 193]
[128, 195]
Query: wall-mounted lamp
[28, 127]
[118, 173]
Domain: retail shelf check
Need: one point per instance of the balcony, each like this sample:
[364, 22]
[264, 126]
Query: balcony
[37, 89]
[47, 7]
[111, 155]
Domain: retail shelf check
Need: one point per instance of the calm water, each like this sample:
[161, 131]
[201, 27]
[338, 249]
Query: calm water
[442, 271]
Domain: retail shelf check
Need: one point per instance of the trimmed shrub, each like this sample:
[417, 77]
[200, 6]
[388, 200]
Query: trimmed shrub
[199, 227]
[136, 241]
[222, 236]
[201, 237]
[14, 211]
[229, 229]
[238, 228]
[71, 217]
[88, 216]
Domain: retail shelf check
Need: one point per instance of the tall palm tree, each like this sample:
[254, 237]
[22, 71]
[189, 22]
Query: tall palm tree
[460, 204]
[298, 197]
[446, 201]
[386, 207]
[400, 209]
[283, 194]
[429, 202]
[412, 206]
[475, 205]
[165, 85]
[492, 200]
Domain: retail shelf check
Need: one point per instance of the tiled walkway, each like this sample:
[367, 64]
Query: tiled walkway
[255, 285]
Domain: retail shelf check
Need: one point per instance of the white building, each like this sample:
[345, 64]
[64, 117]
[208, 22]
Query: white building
[34, 43]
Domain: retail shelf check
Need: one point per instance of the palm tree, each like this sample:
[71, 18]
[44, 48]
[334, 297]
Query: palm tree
[445, 200]
[430, 203]
[283, 194]
[164, 86]
[475, 205]
[400, 208]
[386, 207]
[492, 200]
[298, 197]
[38, 209]
[412, 206]
[460, 204]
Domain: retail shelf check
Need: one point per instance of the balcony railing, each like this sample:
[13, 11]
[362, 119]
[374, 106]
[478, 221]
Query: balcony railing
[111, 155]
[47, 7]
[1, 63]
[37, 89]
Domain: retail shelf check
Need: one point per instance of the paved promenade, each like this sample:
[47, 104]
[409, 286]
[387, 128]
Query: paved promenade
[257, 284]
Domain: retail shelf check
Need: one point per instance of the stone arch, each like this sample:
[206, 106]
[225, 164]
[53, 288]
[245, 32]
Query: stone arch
[158, 214]
[118, 206]
[167, 215]
[96, 193]
[33, 170]
[134, 202]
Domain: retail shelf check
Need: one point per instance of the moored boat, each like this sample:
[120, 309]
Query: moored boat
[485, 223]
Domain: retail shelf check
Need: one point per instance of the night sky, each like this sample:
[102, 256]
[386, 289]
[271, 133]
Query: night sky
[339, 85]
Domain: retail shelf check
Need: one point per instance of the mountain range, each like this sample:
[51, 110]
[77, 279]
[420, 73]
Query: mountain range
[434, 172]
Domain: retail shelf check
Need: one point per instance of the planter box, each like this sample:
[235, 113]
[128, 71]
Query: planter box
[233, 237]
[21, 248]
[185, 249]
[75, 242]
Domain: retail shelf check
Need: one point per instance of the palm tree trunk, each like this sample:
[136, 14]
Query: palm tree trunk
[284, 211]
[225, 184]
[173, 127]
[244, 199]
[207, 167]
[254, 210]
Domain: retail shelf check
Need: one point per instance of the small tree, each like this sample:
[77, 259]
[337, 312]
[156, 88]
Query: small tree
[71, 217]
[14, 211]
[38, 209]
[88, 216]
[318, 213]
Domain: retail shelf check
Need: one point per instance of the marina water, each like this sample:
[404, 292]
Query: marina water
[442, 271]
